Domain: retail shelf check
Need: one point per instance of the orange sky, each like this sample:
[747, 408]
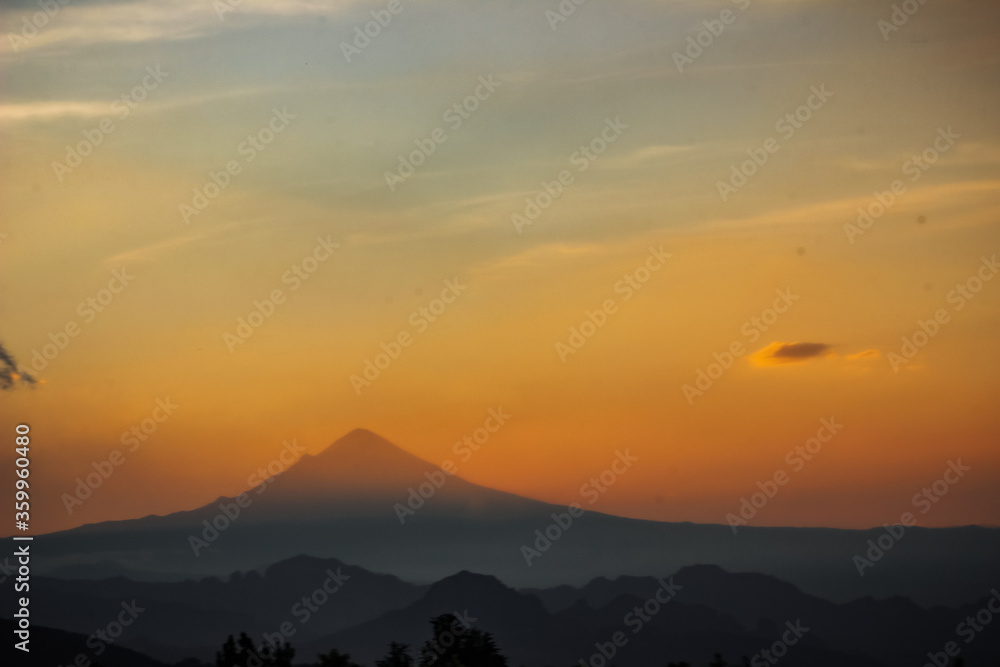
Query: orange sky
[496, 344]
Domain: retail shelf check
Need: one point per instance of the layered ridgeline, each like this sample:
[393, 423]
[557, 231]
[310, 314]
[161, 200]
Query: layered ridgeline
[321, 604]
[366, 501]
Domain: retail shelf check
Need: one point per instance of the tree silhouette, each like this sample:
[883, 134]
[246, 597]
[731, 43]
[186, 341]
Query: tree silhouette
[398, 656]
[718, 661]
[227, 656]
[280, 656]
[243, 653]
[455, 645]
[336, 659]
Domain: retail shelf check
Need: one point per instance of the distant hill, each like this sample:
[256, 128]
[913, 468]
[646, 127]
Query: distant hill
[50, 648]
[892, 631]
[106, 569]
[193, 617]
[709, 610]
[340, 503]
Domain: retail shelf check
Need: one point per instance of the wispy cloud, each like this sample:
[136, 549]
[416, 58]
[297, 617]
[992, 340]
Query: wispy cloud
[79, 25]
[647, 154]
[779, 353]
[51, 110]
[154, 251]
[846, 209]
[542, 255]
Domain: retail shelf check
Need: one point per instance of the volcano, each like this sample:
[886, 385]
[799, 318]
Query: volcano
[364, 500]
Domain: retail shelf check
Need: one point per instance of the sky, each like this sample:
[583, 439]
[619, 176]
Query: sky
[591, 207]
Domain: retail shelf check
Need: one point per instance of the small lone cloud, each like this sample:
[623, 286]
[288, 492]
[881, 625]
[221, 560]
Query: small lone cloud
[10, 377]
[778, 353]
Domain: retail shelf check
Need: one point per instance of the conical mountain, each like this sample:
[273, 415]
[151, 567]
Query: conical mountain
[363, 473]
[364, 500]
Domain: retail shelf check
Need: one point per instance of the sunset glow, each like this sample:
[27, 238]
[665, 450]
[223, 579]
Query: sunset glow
[698, 264]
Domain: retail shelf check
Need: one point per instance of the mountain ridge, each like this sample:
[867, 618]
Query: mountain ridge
[363, 446]
[452, 524]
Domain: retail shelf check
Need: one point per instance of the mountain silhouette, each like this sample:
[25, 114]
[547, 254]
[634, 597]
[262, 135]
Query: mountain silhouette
[711, 610]
[51, 647]
[192, 617]
[365, 500]
[759, 605]
[363, 473]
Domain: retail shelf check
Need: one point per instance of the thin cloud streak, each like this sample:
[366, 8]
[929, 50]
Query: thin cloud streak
[78, 26]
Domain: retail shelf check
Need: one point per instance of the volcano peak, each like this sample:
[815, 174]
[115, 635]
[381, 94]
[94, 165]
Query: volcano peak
[362, 444]
[361, 459]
